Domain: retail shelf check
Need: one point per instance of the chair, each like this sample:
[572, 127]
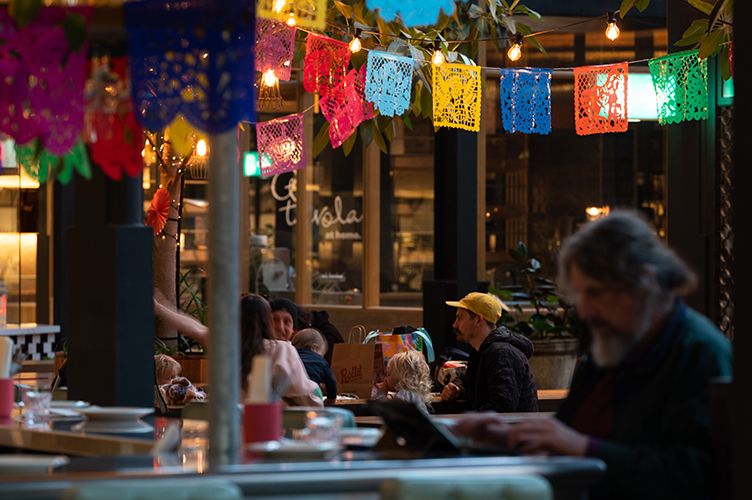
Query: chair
[205, 488]
[518, 487]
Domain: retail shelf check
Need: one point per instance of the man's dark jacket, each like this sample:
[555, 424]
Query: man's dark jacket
[498, 375]
[660, 446]
[320, 321]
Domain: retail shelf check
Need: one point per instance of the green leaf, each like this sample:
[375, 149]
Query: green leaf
[345, 10]
[349, 143]
[416, 99]
[716, 13]
[475, 12]
[492, 9]
[522, 249]
[406, 120]
[383, 29]
[691, 39]
[359, 14]
[703, 7]
[23, 12]
[525, 30]
[542, 326]
[697, 26]
[380, 142]
[390, 130]
[321, 140]
[426, 102]
[711, 44]
[725, 63]
[75, 28]
[642, 5]
[508, 21]
[80, 160]
[366, 132]
[626, 5]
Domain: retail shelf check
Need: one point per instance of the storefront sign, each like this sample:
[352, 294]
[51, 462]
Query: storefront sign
[323, 217]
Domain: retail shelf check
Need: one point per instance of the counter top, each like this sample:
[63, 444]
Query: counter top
[28, 329]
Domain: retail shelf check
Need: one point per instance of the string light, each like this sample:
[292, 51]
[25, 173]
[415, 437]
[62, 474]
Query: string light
[355, 44]
[612, 30]
[291, 20]
[201, 148]
[438, 56]
[270, 79]
[515, 51]
[279, 5]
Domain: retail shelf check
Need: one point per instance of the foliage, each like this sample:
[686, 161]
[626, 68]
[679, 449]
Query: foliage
[710, 36]
[75, 27]
[553, 317]
[459, 33]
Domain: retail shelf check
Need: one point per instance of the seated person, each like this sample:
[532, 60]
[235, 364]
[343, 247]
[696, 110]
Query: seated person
[409, 379]
[320, 321]
[284, 315]
[175, 390]
[311, 347]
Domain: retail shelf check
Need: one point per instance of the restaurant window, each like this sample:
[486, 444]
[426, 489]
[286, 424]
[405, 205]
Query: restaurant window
[407, 215]
[538, 187]
[18, 239]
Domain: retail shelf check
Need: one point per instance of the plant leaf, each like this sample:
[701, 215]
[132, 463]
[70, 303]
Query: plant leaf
[642, 5]
[697, 26]
[380, 141]
[703, 7]
[23, 12]
[711, 44]
[321, 140]
[406, 120]
[75, 27]
[345, 10]
[349, 143]
[366, 132]
[626, 5]
[726, 63]
[691, 39]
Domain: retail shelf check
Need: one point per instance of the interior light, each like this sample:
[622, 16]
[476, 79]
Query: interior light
[612, 30]
[438, 56]
[515, 51]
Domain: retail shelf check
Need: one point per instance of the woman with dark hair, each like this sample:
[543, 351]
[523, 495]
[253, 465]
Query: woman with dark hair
[257, 337]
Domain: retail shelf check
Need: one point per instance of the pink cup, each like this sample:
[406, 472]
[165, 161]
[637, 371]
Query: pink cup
[7, 396]
[262, 422]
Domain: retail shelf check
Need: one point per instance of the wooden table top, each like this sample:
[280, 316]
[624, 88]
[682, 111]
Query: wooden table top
[371, 421]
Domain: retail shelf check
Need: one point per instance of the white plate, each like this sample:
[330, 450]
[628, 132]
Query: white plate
[69, 405]
[289, 448]
[114, 412]
[29, 464]
[113, 427]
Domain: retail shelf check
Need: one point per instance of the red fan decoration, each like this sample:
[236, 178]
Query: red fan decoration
[159, 210]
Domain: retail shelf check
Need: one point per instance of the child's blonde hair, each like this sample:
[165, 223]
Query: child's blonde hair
[309, 337]
[164, 364]
[412, 374]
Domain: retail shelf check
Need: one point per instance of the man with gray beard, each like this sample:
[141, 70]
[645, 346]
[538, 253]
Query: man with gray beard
[640, 398]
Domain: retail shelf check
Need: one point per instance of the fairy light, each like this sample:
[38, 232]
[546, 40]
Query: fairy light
[270, 79]
[201, 148]
[438, 56]
[515, 51]
[279, 5]
[612, 30]
[355, 43]
[291, 20]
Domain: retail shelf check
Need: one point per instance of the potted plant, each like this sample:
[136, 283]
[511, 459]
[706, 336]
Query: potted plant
[546, 319]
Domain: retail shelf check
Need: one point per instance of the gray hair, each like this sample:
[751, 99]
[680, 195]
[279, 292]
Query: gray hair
[619, 250]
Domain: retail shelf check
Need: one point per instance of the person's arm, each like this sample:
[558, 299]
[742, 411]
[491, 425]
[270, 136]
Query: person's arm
[186, 325]
[330, 383]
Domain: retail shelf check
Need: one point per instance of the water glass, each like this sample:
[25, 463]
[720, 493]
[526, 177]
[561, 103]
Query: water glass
[36, 402]
[323, 427]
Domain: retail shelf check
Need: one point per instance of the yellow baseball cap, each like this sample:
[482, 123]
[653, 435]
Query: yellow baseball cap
[480, 303]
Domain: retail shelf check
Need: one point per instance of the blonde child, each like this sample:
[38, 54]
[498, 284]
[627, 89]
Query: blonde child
[408, 377]
[167, 368]
[175, 390]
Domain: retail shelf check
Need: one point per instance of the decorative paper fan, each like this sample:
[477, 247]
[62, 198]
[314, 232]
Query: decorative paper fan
[159, 210]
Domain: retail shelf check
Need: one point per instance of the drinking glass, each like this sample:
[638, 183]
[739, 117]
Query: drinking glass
[323, 427]
[36, 402]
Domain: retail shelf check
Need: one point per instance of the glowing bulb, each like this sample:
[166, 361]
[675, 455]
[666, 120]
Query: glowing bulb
[355, 45]
[270, 78]
[515, 51]
[593, 211]
[612, 30]
[291, 20]
[279, 5]
[201, 148]
[438, 56]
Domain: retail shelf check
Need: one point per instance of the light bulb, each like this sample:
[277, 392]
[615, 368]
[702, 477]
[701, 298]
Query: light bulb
[355, 44]
[612, 30]
[593, 211]
[515, 51]
[279, 5]
[270, 78]
[291, 20]
[438, 56]
[201, 148]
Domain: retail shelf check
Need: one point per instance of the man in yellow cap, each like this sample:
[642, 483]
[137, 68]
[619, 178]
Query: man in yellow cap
[498, 375]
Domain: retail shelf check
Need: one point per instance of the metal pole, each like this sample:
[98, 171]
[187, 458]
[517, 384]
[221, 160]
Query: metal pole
[224, 300]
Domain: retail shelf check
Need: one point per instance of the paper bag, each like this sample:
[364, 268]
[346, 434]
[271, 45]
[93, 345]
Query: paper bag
[357, 368]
